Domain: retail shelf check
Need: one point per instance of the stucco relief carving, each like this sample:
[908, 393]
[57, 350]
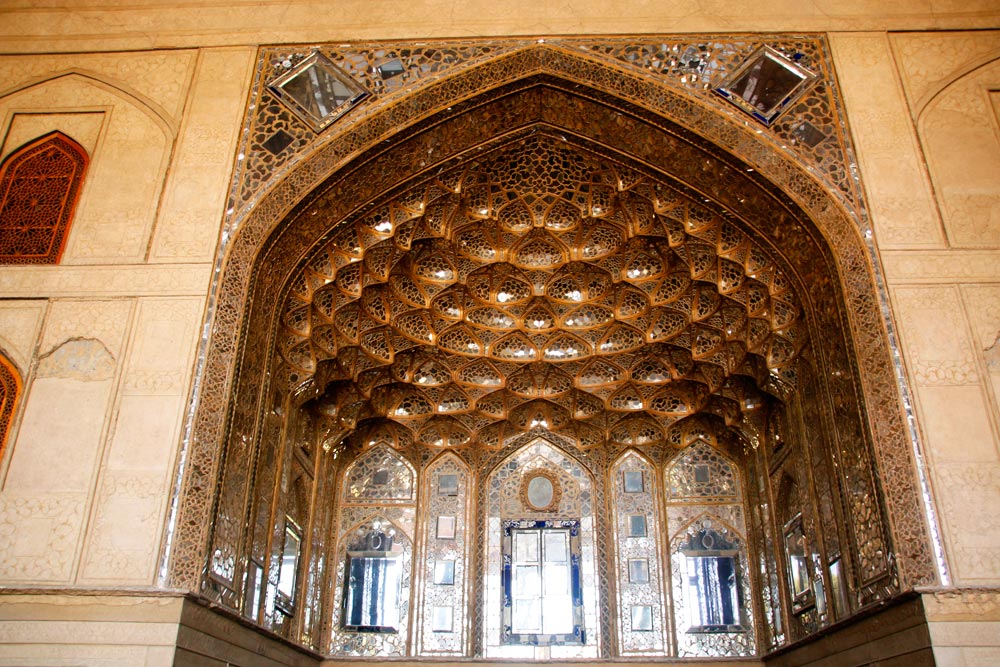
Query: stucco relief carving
[134, 280]
[83, 127]
[109, 237]
[104, 321]
[958, 130]
[187, 235]
[119, 199]
[978, 563]
[983, 306]
[928, 62]
[195, 195]
[160, 78]
[154, 382]
[945, 373]
[46, 552]
[19, 325]
[963, 604]
[122, 541]
[84, 632]
[992, 354]
[163, 340]
[888, 150]
[937, 267]
[969, 494]
[974, 218]
[938, 351]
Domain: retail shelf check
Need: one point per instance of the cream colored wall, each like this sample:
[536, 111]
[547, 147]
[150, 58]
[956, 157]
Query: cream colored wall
[87, 25]
[928, 140]
[106, 342]
[108, 631]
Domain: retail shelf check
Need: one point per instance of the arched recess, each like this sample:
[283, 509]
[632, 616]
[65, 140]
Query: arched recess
[374, 536]
[640, 574]
[626, 145]
[117, 200]
[957, 127]
[40, 185]
[10, 393]
[447, 495]
[519, 523]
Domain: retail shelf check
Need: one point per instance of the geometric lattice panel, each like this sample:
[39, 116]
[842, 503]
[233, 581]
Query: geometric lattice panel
[39, 187]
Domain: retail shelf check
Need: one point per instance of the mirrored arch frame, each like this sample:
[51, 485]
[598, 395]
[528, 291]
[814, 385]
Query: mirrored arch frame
[268, 191]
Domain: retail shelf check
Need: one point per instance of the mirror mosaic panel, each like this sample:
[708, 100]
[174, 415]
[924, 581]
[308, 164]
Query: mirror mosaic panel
[381, 476]
[639, 576]
[713, 613]
[442, 624]
[350, 634]
[507, 507]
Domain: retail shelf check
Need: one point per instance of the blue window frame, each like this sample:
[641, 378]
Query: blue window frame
[542, 588]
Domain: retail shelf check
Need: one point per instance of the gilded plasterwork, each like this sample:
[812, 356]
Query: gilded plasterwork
[559, 242]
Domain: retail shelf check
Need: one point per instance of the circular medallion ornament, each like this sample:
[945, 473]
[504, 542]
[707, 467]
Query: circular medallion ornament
[540, 491]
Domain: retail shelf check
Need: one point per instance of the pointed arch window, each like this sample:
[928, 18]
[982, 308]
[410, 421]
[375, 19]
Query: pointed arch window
[40, 185]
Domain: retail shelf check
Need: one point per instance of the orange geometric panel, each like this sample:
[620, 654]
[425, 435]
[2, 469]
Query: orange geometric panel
[10, 391]
[39, 187]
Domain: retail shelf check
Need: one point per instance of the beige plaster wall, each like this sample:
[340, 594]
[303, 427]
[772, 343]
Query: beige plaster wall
[111, 631]
[964, 627]
[106, 343]
[929, 152]
[28, 26]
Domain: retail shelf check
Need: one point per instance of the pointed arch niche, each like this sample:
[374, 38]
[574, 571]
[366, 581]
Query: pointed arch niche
[40, 184]
[571, 302]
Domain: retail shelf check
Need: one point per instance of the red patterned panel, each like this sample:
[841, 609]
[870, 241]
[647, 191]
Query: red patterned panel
[39, 187]
[10, 391]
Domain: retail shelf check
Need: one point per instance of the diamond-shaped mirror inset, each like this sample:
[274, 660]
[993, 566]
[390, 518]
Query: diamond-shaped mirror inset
[766, 84]
[317, 91]
[278, 142]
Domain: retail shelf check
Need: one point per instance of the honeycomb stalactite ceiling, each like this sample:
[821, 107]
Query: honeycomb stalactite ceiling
[538, 287]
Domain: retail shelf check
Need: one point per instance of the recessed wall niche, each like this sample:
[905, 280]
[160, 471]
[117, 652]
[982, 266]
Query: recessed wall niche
[549, 293]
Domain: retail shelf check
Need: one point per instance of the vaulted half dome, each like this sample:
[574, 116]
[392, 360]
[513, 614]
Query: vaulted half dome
[593, 278]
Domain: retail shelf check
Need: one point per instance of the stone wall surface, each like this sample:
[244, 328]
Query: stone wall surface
[928, 142]
[115, 24]
[105, 630]
[106, 343]
[936, 226]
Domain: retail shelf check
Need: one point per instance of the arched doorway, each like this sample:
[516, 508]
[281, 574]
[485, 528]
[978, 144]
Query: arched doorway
[553, 256]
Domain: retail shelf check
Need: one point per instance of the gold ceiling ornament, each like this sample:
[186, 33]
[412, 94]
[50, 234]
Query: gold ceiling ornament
[574, 295]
